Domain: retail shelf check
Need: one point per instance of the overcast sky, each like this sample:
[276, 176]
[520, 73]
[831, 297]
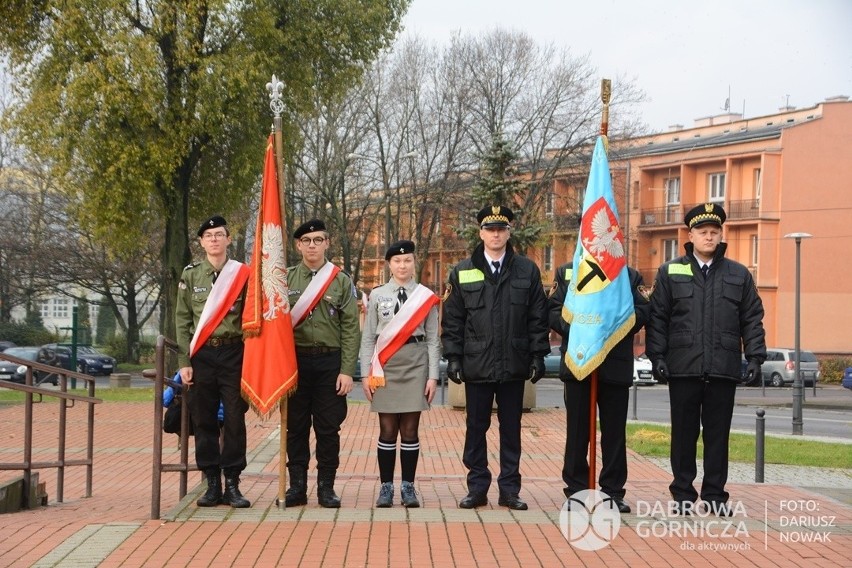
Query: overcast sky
[683, 53]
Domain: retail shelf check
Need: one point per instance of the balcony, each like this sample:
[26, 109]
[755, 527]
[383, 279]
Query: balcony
[673, 214]
[662, 216]
[746, 209]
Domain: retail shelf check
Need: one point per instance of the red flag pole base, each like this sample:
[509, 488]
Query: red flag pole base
[593, 430]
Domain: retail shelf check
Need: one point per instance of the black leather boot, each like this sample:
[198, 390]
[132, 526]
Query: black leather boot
[213, 495]
[232, 495]
[297, 493]
[325, 491]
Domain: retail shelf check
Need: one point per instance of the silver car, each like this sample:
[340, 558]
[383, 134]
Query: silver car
[779, 369]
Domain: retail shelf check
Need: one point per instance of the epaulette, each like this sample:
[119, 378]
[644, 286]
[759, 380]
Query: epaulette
[193, 265]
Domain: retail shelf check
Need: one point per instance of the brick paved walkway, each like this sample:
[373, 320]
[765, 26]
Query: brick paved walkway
[112, 528]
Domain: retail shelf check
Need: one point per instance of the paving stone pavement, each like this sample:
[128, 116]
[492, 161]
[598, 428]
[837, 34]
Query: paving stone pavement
[799, 517]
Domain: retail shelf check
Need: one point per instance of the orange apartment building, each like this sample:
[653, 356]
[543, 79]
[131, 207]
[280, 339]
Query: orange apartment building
[777, 174]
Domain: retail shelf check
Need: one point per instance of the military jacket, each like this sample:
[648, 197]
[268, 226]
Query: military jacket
[334, 321]
[195, 285]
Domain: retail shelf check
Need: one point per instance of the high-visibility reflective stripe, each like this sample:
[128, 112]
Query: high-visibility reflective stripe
[472, 275]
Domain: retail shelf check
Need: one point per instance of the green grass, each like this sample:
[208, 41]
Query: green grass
[654, 439]
[107, 395]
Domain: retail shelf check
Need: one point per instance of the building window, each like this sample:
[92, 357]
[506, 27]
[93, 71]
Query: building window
[635, 195]
[43, 308]
[548, 204]
[757, 183]
[669, 249]
[548, 258]
[754, 250]
[672, 187]
[60, 308]
[716, 188]
[436, 272]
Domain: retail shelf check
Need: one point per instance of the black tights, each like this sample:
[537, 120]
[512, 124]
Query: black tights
[404, 426]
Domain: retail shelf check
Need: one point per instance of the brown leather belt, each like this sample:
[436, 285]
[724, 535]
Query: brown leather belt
[316, 350]
[221, 341]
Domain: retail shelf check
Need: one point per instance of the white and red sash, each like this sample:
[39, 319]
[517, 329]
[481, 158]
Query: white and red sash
[394, 335]
[229, 285]
[313, 293]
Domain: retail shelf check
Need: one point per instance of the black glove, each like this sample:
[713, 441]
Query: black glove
[537, 369]
[661, 371]
[753, 375]
[454, 371]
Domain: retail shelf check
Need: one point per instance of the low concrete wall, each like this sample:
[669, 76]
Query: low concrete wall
[456, 397]
[119, 381]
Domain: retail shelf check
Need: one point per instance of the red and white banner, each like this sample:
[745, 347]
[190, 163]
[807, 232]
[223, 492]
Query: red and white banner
[269, 359]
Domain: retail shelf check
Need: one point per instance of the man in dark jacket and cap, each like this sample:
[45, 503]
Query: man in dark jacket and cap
[705, 313]
[615, 376]
[494, 336]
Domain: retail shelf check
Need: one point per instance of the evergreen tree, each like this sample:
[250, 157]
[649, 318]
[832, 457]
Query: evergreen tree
[499, 184]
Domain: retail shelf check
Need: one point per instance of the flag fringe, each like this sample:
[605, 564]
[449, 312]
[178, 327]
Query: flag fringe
[582, 371]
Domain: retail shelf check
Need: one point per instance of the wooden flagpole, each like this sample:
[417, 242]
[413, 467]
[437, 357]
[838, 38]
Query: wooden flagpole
[606, 90]
[276, 104]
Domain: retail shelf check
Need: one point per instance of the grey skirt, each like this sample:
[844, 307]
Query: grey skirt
[405, 381]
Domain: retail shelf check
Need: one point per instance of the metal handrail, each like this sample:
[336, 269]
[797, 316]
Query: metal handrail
[161, 380]
[63, 395]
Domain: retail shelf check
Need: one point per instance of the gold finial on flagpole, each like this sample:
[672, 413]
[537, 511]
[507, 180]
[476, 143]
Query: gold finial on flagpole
[606, 92]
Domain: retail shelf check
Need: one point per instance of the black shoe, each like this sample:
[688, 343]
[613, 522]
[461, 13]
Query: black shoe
[718, 508]
[473, 500]
[213, 495]
[409, 495]
[512, 501]
[325, 491]
[681, 508]
[232, 496]
[295, 497]
[385, 499]
[621, 505]
[297, 493]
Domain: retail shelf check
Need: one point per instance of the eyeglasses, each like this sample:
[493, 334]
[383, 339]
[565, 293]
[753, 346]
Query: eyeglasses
[214, 236]
[316, 240]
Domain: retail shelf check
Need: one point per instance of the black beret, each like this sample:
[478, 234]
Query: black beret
[212, 223]
[494, 216]
[703, 214]
[399, 247]
[308, 227]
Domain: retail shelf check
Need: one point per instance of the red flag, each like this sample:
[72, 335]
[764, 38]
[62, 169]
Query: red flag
[269, 360]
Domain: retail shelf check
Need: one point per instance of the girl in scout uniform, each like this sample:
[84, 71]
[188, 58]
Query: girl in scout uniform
[400, 349]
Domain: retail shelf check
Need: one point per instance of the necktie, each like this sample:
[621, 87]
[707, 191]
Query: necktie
[215, 275]
[496, 265]
[705, 269]
[401, 297]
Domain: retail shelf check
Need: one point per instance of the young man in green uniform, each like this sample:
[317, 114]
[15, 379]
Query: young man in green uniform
[208, 322]
[324, 309]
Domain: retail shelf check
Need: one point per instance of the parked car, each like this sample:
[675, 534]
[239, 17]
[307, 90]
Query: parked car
[18, 373]
[780, 366]
[552, 361]
[4, 345]
[89, 361]
[642, 371]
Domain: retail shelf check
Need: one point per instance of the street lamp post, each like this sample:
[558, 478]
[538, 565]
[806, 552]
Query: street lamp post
[798, 387]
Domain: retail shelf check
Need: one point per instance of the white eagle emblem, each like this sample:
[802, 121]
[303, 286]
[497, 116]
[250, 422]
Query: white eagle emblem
[273, 272]
[605, 239]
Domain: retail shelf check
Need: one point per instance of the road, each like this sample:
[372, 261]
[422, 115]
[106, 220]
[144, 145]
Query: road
[833, 420]
[828, 414]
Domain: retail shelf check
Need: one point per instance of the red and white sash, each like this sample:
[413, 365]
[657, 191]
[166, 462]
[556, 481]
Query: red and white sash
[227, 288]
[313, 293]
[398, 330]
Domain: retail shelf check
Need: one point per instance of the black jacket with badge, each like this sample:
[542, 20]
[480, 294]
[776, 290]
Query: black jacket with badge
[617, 367]
[495, 326]
[701, 326]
